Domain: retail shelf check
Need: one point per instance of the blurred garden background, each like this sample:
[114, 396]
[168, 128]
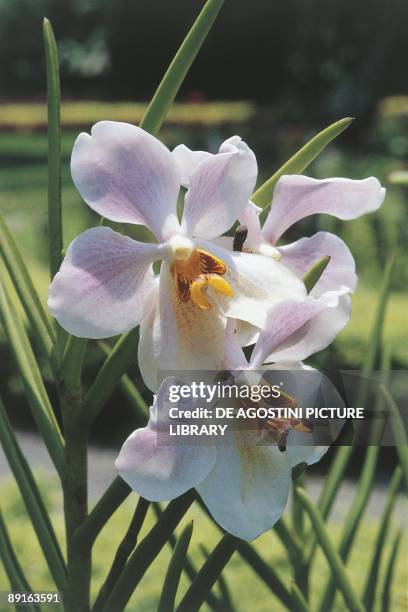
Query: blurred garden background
[273, 72]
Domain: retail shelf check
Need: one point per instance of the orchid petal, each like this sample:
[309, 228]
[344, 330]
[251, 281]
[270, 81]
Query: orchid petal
[102, 283]
[160, 466]
[282, 323]
[250, 218]
[258, 283]
[247, 490]
[220, 188]
[179, 335]
[187, 162]
[234, 358]
[127, 175]
[340, 274]
[332, 313]
[296, 197]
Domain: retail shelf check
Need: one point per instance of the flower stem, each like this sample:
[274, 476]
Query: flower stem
[75, 511]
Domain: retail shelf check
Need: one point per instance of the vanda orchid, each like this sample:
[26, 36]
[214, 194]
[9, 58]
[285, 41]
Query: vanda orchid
[106, 283]
[243, 477]
[296, 197]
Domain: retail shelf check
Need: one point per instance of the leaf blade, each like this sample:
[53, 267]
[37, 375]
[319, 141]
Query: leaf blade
[174, 570]
[301, 159]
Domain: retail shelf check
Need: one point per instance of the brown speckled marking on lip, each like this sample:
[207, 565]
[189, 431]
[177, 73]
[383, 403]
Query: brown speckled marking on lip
[201, 269]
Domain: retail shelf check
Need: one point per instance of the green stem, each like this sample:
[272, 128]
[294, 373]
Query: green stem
[75, 511]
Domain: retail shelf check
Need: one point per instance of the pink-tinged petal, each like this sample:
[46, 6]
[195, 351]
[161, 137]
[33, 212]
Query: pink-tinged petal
[250, 218]
[187, 162]
[282, 323]
[258, 283]
[219, 190]
[102, 284]
[178, 335]
[340, 274]
[127, 175]
[160, 466]
[247, 490]
[296, 197]
[332, 313]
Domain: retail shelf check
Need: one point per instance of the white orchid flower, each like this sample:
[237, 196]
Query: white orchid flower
[244, 483]
[296, 197]
[106, 284]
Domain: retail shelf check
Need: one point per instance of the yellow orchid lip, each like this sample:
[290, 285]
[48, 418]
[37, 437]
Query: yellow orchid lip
[194, 274]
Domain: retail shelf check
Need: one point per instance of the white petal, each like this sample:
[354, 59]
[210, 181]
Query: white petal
[160, 466]
[187, 162]
[219, 190]
[102, 284]
[340, 274]
[250, 218]
[127, 175]
[247, 490]
[296, 197]
[179, 336]
[234, 358]
[258, 283]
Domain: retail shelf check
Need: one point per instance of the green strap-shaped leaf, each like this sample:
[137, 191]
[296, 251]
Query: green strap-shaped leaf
[373, 572]
[332, 556]
[265, 572]
[54, 150]
[130, 390]
[174, 571]
[107, 505]
[147, 551]
[208, 574]
[18, 581]
[24, 286]
[344, 453]
[299, 602]
[35, 391]
[33, 501]
[225, 604]
[177, 71]
[72, 361]
[125, 549]
[389, 572]
[398, 428]
[300, 160]
[352, 521]
[189, 566]
[314, 273]
[12, 566]
[116, 364]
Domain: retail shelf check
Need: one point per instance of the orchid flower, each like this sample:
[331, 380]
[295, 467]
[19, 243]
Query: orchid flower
[244, 483]
[296, 197]
[106, 283]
